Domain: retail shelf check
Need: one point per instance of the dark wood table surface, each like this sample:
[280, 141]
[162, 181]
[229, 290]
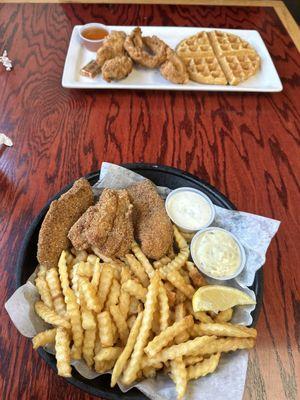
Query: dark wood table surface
[247, 145]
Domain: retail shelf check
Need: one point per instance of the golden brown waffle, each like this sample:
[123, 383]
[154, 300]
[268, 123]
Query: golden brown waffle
[201, 62]
[217, 57]
[237, 57]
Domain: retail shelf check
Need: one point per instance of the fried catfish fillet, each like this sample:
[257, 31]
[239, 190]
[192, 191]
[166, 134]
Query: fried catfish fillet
[107, 226]
[152, 226]
[61, 216]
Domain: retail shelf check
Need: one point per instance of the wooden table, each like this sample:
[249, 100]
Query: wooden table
[247, 145]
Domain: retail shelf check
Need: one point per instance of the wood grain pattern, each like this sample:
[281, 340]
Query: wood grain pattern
[280, 8]
[247, 145]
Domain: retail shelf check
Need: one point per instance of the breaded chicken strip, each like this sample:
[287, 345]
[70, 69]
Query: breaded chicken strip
[152, 226]
[62, 214]
[107, 226]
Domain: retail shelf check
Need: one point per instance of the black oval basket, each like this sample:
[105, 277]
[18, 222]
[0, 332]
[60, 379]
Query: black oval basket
[27, 262]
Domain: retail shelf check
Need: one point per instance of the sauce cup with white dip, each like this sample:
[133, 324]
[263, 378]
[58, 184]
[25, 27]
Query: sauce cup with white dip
[190, 209]
[218, 253]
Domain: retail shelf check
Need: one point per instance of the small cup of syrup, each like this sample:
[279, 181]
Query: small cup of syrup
[92, 35]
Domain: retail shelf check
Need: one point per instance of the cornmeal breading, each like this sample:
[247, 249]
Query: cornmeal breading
[62, 214]
[152, 226]
[107, 226]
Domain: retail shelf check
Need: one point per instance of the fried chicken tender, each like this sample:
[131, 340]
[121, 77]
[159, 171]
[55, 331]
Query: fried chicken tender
[112, 47]
[147, 51]
[106, 226]
[117, 68]
[62, 214]
[174, 69]
[152, 226]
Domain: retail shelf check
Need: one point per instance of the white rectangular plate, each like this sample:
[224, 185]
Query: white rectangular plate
[266, 80]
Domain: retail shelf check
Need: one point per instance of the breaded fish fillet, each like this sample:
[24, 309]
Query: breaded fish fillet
[62, 214]
[152, 226]
[106, 226]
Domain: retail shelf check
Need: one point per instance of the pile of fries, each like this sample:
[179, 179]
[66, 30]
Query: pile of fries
[133, 317]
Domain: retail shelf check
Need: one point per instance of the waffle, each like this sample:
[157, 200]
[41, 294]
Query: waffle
[237, 57]
[218, 58]
[199, 57]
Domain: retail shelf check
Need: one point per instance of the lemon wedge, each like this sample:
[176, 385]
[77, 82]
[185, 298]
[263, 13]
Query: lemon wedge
[219, 298]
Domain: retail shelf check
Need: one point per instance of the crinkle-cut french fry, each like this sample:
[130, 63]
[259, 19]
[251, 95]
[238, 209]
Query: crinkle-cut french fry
[224, 345]
[63, 272]
[85, 269]
[164, 310]
[191, 347]
[114, 330]
[207, 366]
[80, 255]
[180, 240]
[138, 270]
[43, 338]
[171, 298]
[130, 373]
[124, 356]
[106, 279]
[44, 291]
[224, 316]
[116, 268]
[108, 354]
[105, 329]
[163, 261]
[75, 319]
[179, 282]
[89, 293]
[143, 259]
[114, 294]
[146, 362]
[130, 321]
[186, 276]
[63, 353]
[120, 322]
[191, 360]
[76, 353]
[166, 336]
[171, 253]
[103, 366]
[226, 329]
[201, 316]
[180, 313]
[88, 346]
[135, 289]
[187, 236]
[50, 316]
[41, 272]
[179, 376]
[124, 299]
[53, 281]
[96, 274]
[75, 281]
[179, 297]
[195, 275]
[149, 372]
[176, 264]
[92, 259]
[88, 318]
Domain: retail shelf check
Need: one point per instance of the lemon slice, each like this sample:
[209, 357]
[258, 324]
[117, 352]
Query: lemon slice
[219, 298]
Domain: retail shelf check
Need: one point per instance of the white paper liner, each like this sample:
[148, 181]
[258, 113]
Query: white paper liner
[229, 379]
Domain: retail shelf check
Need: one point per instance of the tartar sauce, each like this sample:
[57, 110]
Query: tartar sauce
[217, 252]
[189, 209]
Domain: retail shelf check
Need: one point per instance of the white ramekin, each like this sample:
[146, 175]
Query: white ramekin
[241, 248]
[92, 45]
[204, 196]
